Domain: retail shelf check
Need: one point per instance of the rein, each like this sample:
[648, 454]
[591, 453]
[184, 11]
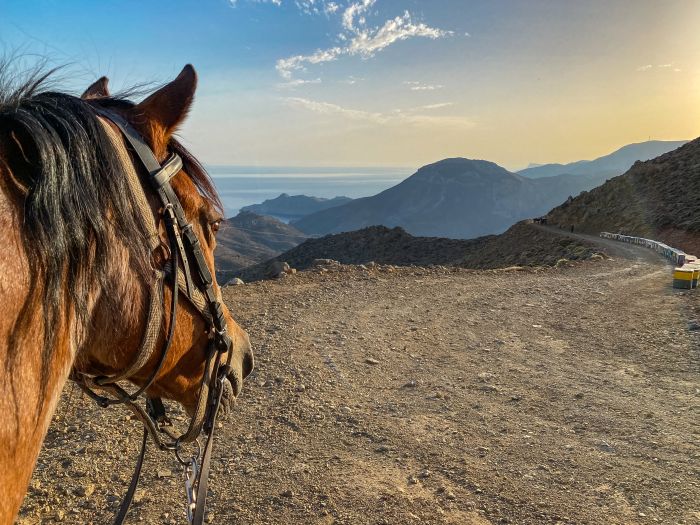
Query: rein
[190, 276]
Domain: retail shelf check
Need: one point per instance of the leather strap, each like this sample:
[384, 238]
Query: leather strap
[182, 239]
[129, 496]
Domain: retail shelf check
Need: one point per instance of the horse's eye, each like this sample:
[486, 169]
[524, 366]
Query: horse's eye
[215, 225]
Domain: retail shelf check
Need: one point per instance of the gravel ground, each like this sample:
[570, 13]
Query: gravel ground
[391, 396]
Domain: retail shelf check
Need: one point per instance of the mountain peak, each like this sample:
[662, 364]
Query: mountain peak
[462, 169]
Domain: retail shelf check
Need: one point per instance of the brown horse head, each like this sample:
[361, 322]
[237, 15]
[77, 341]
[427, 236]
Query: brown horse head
[78, 265]
[157, 118]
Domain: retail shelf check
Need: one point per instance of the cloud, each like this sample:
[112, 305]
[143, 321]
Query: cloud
[330, 8]
[296, 82]
[309, 7]
[355, 10]
[286, 66]
[278, 3]
[436, 106]
[367, 42]
[420, 86]
[397, 117]
[427, 87]
[351, 80]
[364, 42]
[668, 67]
[326, 108]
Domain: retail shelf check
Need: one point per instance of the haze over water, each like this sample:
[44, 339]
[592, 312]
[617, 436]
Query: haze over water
[244, 185]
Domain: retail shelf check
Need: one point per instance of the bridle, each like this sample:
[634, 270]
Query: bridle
[194, 281]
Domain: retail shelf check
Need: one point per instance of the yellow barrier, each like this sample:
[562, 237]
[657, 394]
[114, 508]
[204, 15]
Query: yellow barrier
[695, 267]
[683, 278]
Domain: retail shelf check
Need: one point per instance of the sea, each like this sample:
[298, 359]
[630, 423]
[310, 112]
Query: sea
[241, 186]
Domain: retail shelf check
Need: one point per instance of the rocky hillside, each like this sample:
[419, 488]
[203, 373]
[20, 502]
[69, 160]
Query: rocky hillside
[248, 238]
[659, 198]
[522, 245]
[293, 207]
[616, 163]
[456, 198]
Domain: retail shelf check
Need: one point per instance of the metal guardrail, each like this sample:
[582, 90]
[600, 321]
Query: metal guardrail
[687, 267]
[677, 257]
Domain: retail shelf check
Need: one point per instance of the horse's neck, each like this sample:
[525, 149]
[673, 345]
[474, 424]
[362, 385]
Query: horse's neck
[28, 398]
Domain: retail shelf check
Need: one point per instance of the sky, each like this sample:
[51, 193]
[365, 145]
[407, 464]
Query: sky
[389, 82]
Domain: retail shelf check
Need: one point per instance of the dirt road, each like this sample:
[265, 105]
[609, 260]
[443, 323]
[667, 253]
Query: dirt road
[566, 395]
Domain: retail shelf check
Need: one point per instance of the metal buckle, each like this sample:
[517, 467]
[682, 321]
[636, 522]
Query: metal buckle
[191, 471]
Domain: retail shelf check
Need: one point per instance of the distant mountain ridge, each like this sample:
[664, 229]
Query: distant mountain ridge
[612, 164]
[290, 207]
[465, 198]
[248, 238]
[455, 198]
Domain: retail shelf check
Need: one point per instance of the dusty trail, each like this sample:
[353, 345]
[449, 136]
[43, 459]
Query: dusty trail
[614, 248]
[565, 395]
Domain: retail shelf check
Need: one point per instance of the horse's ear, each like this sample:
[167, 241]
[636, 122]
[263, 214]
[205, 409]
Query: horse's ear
[169, 105]
[98, 89]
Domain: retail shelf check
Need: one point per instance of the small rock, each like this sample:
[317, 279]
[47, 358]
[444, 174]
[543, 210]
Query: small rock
[371, 361]
[300, 388]
[425, 473]
[276, 269]
[84, 491]
[235, 282]
[410, 384]
[604, 446]
[485, 377]
[287, 494]
[164, 473]
[325, 262]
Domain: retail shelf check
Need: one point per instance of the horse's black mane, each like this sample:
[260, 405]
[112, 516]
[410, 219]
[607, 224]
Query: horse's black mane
[77, 205]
